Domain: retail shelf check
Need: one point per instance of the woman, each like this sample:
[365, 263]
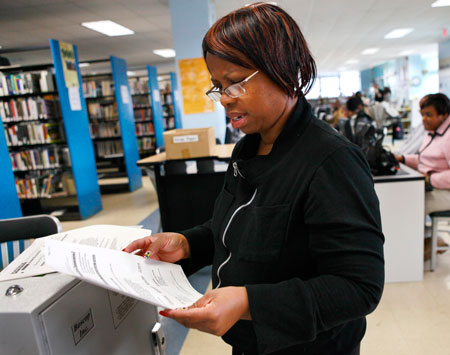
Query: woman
[433, 159]
[295, 240]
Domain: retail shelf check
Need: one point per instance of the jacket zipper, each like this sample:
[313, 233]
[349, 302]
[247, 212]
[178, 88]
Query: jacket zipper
[228, 225]
[236, 170]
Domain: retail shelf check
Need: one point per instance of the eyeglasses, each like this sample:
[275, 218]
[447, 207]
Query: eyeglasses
[234, 90]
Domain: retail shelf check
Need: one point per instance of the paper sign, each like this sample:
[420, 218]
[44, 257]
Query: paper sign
[74, 98]
[69, 65]
[156, 96]
[195, 81]
[125, 94]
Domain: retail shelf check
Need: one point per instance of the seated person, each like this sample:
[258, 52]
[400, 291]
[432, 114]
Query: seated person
[355, 114]
[433, 159]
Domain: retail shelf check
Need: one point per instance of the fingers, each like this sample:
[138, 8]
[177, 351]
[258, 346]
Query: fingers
[143, 244]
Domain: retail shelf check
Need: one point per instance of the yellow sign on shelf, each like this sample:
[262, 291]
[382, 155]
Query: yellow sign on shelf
[69, 65]
[195, 81]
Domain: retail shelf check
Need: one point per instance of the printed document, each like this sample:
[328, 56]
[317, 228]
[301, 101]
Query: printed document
[156, 282]
[31, 262]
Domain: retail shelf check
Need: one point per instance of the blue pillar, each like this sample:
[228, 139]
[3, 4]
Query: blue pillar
[126, 121]
[157, 115]
[190, 22]
[8, 193]
[76, 126]
[176, 96]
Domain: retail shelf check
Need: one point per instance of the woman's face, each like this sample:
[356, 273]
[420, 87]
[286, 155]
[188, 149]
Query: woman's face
[431, 119]
[262, 109]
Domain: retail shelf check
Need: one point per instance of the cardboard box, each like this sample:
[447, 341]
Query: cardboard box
[190, 143]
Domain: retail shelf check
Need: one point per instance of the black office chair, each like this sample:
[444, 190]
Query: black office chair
[15, 234]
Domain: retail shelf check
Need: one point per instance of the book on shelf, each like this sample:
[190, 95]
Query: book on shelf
[42, 184]
[27, 83]
[39, 133]
[143, 114]
[34, 159]
[138, 86]
[97, 87]
[97, 110]
[31, 108]
[144, 128]
[146, 144]
[105, 129]
[109, 148]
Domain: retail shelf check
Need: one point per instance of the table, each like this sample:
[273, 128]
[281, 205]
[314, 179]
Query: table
[402, 204]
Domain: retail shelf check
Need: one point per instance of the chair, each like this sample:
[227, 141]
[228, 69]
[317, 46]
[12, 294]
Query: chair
[15, 234]
[436, 217]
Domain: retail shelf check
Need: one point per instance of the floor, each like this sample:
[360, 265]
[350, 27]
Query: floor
[412, 318]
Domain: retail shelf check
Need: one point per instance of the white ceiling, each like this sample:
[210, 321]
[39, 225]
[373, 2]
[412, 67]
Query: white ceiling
[336, 30]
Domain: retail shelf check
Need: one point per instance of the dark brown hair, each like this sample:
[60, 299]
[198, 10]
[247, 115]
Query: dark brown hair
[265, 37]
[439, 101]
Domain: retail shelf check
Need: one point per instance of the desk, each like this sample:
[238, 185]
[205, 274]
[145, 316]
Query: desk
[402, 201]
[186, 198]
[401, 204]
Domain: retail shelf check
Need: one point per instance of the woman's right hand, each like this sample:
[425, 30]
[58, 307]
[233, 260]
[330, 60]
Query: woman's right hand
[169, 247]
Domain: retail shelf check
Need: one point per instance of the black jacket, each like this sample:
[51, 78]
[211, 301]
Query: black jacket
[303, 234]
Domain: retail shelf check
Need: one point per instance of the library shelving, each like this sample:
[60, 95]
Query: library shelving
[112, 128]
[143, 115]
[47, 134]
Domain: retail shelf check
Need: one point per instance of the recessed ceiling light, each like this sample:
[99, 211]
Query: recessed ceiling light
[166, 53]
[82, 65]
[131, 73]
[399, 33]
[352, 61]
[108, 28]
[440, 3]
[369, 51]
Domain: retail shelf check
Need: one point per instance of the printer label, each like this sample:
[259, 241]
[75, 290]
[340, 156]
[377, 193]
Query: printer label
[82, 327]
[121, 306]
[186, 139]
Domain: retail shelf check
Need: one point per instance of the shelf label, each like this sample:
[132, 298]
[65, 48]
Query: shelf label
[186, 139]
[74, 98]
[125, 94]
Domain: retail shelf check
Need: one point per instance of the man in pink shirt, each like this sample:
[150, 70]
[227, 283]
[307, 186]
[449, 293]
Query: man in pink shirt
[433, 159]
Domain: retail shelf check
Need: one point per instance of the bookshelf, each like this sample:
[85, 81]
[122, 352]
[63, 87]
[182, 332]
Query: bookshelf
[143, 115]
[112, 128]
[47, 141]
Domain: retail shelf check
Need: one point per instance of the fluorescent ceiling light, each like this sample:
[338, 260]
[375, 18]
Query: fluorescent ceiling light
[369, 51]
[440, 3]
[166, 53]
[82, 65]
[108, 28]
[131, 73]
[352, 61]
[399, 33]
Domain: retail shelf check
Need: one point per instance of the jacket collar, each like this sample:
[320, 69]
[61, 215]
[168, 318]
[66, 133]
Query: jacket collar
[443, 127]
[253, 167]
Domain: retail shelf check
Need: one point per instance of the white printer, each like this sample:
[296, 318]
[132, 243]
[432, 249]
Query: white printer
[58, 314]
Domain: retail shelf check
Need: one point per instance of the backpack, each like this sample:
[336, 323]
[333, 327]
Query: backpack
[381, 160]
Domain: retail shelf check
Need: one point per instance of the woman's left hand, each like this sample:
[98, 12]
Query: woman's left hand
[216, 312]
